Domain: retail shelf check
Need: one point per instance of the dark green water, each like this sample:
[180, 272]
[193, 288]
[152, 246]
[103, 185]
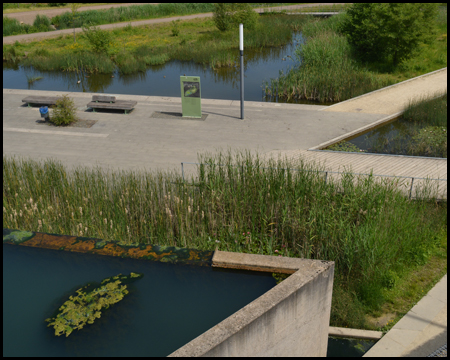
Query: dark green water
[168, 307]
[338, 347]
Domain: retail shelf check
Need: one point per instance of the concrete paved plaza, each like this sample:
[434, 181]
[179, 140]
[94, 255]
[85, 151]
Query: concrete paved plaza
[139, 141]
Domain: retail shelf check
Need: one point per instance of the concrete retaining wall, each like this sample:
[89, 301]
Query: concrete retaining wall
[291, 319]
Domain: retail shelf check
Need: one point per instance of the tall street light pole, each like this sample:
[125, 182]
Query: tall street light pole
[241, 49]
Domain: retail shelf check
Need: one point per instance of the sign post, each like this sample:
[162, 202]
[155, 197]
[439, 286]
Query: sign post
[241, 50]
[191, 96]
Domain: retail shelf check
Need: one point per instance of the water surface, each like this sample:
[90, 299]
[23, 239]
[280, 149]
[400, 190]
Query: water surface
[164, 80]
[168, 307]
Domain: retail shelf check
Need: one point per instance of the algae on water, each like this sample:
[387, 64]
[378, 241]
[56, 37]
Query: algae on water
[86, 306]
[18, 237]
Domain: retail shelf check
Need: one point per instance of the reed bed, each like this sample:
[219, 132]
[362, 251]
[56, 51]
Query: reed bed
[429, 110]
[326, 71]
[238, 202]
[86, 61]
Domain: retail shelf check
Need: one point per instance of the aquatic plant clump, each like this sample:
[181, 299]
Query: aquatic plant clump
[16, 237]
[87, 305]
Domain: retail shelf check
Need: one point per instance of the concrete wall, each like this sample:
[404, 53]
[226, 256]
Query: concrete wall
[291, 319]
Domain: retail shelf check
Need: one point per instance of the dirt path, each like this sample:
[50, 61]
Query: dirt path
[27, 17]
[52, 34]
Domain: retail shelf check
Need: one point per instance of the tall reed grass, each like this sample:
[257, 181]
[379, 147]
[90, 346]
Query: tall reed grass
[326, 70]
[83, 61]
[429, 110]
[238, 202]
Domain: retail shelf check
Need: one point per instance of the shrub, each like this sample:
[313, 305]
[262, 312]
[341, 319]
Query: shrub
[41, 21]
[227, 15]
[99, 39]
[380, 31]
[63, 112]
[12, 26]
[175, 28]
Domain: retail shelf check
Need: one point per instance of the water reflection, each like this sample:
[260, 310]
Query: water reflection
[164, 80]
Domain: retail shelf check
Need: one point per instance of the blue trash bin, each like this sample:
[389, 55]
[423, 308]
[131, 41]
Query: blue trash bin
[44, 112]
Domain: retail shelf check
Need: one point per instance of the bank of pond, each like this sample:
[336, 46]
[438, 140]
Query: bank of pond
[322, 66]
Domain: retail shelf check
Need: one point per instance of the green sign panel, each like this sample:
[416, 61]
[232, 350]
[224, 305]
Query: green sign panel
[190, 96]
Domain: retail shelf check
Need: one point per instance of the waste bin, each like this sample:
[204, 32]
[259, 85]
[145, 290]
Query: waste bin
[44, 112]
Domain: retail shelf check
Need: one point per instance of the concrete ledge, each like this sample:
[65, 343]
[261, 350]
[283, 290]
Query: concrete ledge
[357, 131]
[355, 333]
[291, 319]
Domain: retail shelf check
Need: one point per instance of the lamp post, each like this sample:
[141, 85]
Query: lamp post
[241, 50]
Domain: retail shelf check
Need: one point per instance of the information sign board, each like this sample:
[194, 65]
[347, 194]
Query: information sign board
[191, 96]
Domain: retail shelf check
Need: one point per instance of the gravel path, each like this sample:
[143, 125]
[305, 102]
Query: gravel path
[27, 17]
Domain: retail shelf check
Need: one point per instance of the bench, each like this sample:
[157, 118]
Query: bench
[110, 102]
[41, 100]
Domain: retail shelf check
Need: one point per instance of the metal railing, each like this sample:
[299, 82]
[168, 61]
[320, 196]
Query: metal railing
[329, 172]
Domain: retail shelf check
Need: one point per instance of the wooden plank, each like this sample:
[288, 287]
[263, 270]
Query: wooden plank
[367, 164]
[424, 168]
[40, 99]
[103, 98]
[118, 105]
[394, 167]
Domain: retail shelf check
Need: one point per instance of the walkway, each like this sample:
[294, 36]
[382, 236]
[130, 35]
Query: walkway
[28, 17]
[411, 171]
[388, 102]
[421, 331]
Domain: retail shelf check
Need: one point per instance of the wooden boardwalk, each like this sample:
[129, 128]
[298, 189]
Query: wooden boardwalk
[415, 171]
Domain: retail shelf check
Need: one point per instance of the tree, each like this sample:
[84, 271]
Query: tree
[74, 7]
[379, 31]
[227, 15]
[98, 38]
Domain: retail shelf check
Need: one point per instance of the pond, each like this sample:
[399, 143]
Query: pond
[399, 137]
[168, 307]
[164, 80]
[165, 309]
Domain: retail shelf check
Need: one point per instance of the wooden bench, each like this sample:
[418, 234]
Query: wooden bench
[110, 102]
[40, 100]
